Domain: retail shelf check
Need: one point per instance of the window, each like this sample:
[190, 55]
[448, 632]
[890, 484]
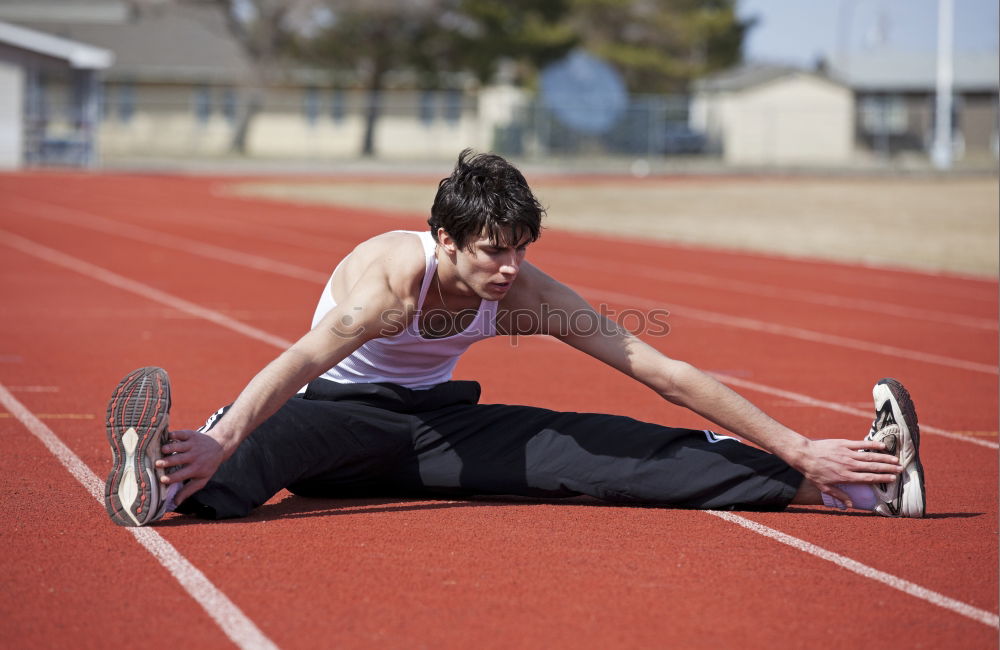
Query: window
[310, 105]
[202, 104]
[79, 98]
[229, 105]
[338, 105]
[126, 101]
[452, 106]
[884, 114]
[426, 107]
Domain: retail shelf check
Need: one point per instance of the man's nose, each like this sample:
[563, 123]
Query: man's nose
[510, 265]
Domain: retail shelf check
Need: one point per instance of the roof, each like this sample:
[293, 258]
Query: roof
[165, 42]
[902, 71]
[78, 55]
[753, 74]
[87, 11]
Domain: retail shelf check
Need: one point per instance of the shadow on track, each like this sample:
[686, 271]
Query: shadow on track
[827, 512]
[297, 507]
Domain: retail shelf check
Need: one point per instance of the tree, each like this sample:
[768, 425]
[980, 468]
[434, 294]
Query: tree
[662, 45]
[264, 32]
[372, 37]
[527, 33]
[434, 40]
[658, 45]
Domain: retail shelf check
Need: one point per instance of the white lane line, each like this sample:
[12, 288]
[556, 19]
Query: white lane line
[234, 623]
[783, 293]
[108, 277]
[146, 291]
[103, 275]
[260, 263]
[166, 240]
[290, 270]
[871, 280]
[841, 408]
[907, 587]
[790, 332]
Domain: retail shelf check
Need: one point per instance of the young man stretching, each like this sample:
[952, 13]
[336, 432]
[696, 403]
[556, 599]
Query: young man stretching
[363, 404]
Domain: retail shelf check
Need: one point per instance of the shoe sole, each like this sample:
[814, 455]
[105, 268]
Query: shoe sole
[136, 426]
[912, 501]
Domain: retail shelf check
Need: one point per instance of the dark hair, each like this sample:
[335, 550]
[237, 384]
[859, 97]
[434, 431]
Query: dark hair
[486, 195]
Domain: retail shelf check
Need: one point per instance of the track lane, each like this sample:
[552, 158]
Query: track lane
[74, 578]
[911, 288]
[954, 346]
[116, 378]
[224, 613]
[208, 293]
[205, 201]
[962, 511]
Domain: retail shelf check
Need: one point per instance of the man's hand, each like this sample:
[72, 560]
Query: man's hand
[829, 462]
[196, 455]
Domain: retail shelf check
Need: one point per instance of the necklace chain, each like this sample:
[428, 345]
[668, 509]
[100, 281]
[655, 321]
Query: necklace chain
[437, 278]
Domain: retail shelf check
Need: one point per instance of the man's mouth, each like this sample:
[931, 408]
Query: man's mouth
[500, 286]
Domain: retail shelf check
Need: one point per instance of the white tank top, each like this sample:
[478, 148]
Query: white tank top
[408, 359]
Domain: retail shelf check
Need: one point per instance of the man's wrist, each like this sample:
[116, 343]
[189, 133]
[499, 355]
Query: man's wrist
[228, 438]
[797, 452]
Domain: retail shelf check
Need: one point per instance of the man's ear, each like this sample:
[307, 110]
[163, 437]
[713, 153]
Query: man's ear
[446, 242]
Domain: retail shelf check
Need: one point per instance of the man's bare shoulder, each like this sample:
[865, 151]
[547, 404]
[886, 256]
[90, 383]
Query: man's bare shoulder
[398, 246]
[398, 257]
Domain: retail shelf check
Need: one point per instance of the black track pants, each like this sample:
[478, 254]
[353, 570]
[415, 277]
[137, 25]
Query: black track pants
[341, 440]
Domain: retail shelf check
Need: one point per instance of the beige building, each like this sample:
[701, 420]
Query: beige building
[175, 85]
[876, 105]
[770, 115]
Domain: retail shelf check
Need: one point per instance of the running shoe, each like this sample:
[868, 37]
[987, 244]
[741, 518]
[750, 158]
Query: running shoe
[138, 415]
[895, 425]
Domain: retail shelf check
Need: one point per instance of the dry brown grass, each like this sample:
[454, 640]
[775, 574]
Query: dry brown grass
[929, 223]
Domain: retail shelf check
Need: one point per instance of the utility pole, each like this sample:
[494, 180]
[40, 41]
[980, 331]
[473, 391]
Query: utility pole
[941, 149]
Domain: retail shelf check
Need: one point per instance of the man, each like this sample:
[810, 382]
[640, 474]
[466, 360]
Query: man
[363, 404]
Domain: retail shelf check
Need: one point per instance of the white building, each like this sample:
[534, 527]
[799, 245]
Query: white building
[29, 130]
[773, 115]
[876, 104]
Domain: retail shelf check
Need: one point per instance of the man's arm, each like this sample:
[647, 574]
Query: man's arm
[823, 462]
[371, 309]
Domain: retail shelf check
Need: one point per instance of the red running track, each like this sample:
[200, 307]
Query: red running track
[105, 273]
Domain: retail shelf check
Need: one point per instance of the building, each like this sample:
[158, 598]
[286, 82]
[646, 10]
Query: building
[34, 126]
[775, 115]
[895, 96]
[176, 88]
[878, 104]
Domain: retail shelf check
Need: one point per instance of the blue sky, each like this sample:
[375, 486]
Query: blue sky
[800, 31]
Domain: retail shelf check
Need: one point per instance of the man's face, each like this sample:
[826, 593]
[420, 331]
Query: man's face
[489, 268]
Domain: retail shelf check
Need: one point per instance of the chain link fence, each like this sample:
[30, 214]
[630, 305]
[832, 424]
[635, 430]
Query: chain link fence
[72, 121]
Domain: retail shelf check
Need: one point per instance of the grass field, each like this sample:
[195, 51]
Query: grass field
[926, 223]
